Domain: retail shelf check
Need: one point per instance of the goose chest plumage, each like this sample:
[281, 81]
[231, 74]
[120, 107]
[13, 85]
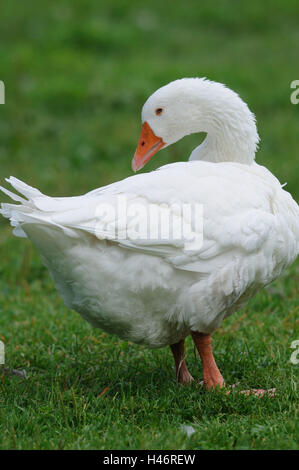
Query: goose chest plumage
[155, 290]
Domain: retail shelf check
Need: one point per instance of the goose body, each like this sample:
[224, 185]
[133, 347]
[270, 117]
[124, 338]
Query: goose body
[156, 291]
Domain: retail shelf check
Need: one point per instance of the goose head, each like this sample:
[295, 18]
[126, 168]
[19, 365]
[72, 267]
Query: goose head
[191, 105]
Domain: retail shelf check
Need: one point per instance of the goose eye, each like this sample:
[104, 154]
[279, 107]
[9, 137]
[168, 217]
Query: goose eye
[159, 111]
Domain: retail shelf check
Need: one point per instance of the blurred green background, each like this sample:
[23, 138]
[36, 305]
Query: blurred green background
[76, 75]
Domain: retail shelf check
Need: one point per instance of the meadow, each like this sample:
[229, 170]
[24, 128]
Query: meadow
[76, 75]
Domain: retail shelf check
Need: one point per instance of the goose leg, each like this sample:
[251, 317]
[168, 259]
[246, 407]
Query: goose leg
[182, 373]
[211, 374]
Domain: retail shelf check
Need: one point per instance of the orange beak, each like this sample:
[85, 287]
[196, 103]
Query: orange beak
[147, 147]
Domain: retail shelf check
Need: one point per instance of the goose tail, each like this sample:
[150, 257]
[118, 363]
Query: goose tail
[19, 214]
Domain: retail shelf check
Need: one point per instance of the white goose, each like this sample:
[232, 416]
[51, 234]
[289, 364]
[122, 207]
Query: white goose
[157, 291]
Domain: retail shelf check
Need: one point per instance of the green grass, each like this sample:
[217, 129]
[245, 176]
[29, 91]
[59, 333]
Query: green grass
[76, 76]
